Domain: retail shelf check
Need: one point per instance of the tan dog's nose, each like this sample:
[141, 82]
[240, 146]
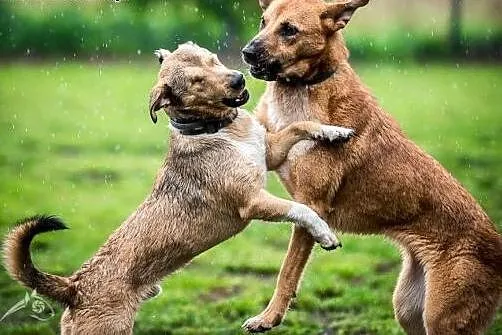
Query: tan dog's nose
[237, 82]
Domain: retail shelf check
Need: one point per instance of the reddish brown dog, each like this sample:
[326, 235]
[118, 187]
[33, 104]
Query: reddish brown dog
[381, 182]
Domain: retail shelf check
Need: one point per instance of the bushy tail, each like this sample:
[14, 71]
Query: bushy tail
[18, 262]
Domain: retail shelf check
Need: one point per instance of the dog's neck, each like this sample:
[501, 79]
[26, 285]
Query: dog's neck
[324, 65]
[192, 124]
[320, 74]
[341, 99]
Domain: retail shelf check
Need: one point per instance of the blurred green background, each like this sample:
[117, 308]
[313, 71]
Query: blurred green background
[77, 141]
[388, 29]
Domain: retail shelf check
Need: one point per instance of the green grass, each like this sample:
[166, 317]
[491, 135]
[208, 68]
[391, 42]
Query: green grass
[77, 141]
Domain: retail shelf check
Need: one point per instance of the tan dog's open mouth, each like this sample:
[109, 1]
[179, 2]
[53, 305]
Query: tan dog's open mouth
[238, 101]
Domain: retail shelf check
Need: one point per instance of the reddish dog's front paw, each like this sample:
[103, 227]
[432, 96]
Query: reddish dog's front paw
[261, 323]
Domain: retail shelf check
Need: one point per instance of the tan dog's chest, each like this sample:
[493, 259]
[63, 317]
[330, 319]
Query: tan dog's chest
[251, 147]
[238, 158]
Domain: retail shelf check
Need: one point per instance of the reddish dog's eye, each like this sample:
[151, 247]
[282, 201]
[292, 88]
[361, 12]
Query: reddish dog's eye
[288, 30]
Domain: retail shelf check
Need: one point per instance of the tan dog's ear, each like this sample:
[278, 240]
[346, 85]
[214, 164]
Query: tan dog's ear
[337, 15]
[265, 3]
[161, 54]
[160, 97]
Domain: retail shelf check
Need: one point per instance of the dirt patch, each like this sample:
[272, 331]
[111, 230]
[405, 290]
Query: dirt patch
[67, 150]
[328, 292]
[220, 293]
[357, 280]
[257, 271]
[386, 267]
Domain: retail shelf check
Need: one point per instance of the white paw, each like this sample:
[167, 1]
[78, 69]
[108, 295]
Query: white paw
[315, 225]
[328, 241]
[333, 133]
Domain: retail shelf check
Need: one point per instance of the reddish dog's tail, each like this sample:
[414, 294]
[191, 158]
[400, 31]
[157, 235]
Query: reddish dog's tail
[20, 267]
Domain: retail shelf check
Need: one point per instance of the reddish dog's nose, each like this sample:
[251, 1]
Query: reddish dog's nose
[249, 53]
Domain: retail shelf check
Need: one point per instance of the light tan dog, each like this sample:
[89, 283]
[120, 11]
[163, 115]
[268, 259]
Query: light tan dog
[209, 188]
[380, 182]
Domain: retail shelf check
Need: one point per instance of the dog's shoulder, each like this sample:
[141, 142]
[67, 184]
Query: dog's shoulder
[247, 135]
[245, 128]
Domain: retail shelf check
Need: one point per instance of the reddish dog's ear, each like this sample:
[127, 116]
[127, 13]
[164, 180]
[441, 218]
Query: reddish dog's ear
[265, 3]
[337, 15]
[160, 97]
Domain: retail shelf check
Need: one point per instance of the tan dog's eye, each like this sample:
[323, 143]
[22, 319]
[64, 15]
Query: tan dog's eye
[262, 23]
[288, 30]
[197, 80]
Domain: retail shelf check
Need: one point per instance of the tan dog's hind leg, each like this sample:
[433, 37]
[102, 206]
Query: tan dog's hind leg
[279, 144]
[409, 296]
[66, 323]
[300, 247]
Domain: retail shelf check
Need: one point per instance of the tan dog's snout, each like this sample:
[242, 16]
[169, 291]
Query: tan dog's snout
[237, 81]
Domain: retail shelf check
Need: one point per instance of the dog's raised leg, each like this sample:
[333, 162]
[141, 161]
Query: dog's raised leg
[279, 143]
[265, 206]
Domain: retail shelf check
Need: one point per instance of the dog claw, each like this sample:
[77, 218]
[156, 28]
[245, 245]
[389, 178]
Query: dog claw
[332, 247]
[259, 329]
[257, 324]
[350, 134]
[328, 240]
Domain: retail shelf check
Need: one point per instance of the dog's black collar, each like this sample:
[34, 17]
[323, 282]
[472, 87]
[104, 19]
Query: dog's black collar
[318, 78]
[196, 126]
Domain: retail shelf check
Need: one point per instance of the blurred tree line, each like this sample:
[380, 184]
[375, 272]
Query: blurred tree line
[112, 28]
[124, 29]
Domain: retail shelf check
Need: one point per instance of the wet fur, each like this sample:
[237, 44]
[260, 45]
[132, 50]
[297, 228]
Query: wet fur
[208, 189]
[380, 183]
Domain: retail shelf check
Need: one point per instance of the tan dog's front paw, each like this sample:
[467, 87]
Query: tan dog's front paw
[261, 323]
[333, 133]
[315, 225]
[329, 241]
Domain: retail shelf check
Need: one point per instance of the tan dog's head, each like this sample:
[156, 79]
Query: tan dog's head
[193, 82]
[297, 38]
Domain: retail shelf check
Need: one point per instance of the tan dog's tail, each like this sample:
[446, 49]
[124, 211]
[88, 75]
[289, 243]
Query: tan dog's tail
[20, 267]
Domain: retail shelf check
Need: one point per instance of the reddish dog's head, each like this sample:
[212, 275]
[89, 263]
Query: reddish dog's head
[299, 39]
